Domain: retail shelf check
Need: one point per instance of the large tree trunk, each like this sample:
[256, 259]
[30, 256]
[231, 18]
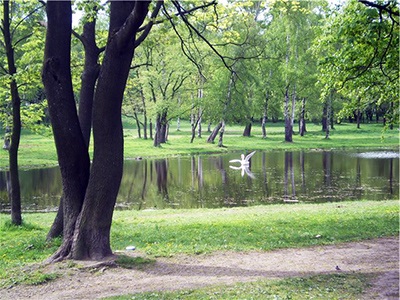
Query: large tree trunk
[92, 234]
[14, 190]
[88, 82]
[71, 148]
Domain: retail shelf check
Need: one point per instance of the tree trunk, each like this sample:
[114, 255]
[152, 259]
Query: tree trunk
[247, 129]
[137, 124]
[221, 135]
[92, 234]
[264, 118]
[214, 133]
[144, 114]
[199, 119]
[293, 107]
[324, 121]
[14, 193]
[71, 148]
[89, 202]
[89, 78]
[88, 82]
[288, 122]
[302, 121]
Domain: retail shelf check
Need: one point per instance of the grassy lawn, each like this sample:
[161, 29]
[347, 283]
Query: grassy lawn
[39, 150]
[170, 232]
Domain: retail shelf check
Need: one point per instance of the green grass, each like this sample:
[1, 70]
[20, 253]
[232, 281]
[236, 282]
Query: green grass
[340, 286]
[39, 150]
[170, 232]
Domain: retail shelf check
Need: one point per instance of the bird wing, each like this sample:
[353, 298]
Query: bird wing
[249, 156]
[236, 160]
[249, 173]
[235, 168]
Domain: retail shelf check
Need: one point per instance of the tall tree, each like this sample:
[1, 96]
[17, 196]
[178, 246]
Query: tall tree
[90, 194]
[15, 33]
[358, 55]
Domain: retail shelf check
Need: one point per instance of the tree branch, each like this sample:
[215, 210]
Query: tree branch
[149, 25]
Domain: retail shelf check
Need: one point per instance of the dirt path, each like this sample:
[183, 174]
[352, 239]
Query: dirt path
[380, 257]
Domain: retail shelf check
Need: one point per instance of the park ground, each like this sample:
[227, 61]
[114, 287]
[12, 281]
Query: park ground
[377, 259]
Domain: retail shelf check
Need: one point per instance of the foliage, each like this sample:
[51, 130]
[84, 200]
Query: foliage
[357, 51]
[28, 44]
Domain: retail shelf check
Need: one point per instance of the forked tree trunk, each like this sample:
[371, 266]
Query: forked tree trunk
[88, 82]
[89, 202]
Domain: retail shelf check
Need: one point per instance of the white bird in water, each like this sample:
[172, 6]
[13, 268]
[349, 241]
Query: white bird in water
[244, 164]
[244, 161]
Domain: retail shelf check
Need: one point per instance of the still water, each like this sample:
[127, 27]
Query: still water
[209, 181]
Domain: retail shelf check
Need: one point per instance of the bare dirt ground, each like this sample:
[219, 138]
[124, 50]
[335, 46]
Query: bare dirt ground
[379, 257]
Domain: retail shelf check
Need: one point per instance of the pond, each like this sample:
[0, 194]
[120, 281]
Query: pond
[209, 181]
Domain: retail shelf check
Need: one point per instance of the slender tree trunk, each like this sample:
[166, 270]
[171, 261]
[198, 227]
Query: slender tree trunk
[264, 118]
[199, 118]
[302, 121]
[89, 78]
[293, 107]
[137, 124]
[221, 135]
[324, 121]
[14, 192]
[288, 123]
[214, 133]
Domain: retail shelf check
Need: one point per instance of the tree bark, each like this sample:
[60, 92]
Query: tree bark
[214, 133]
[247, 129]
[288, 122]
[302, 121]
[89, 78]
[92, 234]
[264, 118]
[14, 191]
[71, 148]
[221, 135]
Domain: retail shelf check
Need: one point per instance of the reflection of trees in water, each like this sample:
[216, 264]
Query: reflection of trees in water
[289, 171]
[327, 168]
[391, 176]
[162, 177]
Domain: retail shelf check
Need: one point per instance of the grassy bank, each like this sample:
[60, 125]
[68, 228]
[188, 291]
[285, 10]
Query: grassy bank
[170, 232]
[39, 150]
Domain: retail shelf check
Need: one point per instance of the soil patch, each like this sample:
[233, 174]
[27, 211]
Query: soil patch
[93, 281]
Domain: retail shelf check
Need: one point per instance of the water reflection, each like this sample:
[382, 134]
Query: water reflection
[208, 181]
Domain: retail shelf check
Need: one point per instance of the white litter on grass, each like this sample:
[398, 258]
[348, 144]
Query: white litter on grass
[130, 248]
